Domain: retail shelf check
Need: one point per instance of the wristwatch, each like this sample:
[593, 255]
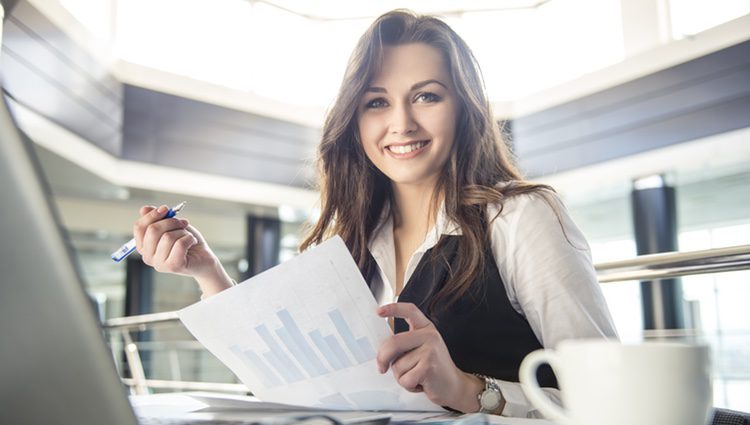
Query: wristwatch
[491, 398]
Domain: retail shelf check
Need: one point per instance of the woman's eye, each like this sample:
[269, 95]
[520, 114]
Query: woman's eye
[427, 97]
[376, 103]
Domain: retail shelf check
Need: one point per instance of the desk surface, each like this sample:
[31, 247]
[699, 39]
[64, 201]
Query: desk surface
[214, 406]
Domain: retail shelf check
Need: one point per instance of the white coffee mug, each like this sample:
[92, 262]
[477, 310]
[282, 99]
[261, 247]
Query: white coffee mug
[606, 382]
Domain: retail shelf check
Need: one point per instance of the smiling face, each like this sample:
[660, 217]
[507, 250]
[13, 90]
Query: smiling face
[407, 116]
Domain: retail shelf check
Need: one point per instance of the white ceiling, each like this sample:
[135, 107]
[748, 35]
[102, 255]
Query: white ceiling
[286, 57]
[346, 9]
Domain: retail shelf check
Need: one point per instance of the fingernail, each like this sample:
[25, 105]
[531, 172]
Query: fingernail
[183, 222]
[162, 209]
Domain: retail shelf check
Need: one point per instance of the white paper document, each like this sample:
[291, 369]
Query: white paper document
[305, 333]
[203, 407]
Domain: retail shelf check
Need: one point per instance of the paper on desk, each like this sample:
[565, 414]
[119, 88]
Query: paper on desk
[194, 407]
[219, 401]
[304, 332]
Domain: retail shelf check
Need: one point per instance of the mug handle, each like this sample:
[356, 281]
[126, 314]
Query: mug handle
[530, 385]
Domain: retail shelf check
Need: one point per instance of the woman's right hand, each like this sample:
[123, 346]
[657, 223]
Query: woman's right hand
[172, 245]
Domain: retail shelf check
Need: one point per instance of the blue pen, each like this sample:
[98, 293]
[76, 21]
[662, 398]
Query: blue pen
[129, 247]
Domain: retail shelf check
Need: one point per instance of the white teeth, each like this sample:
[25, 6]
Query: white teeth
[406, 148]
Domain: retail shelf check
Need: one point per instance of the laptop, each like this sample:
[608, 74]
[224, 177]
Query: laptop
[55, 367]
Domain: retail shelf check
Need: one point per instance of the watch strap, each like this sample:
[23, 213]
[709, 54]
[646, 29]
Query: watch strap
[490, 386]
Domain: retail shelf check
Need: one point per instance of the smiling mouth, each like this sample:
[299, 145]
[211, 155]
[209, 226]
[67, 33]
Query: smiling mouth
[404, 149]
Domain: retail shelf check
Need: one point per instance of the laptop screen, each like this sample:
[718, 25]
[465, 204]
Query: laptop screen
[54, 365]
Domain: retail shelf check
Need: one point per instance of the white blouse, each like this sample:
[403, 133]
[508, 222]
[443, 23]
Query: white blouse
[546, 269]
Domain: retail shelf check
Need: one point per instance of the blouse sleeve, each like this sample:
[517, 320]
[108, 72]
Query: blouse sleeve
[545, 264]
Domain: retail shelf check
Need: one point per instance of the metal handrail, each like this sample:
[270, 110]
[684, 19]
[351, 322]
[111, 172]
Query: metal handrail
[675, 264]
[675, 257]
[186, 385]
[643, 267]
[138, 322]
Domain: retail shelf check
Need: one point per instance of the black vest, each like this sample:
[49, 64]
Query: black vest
[483, 332]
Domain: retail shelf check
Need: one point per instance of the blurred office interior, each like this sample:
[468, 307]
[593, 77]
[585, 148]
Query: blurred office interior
[220, 103]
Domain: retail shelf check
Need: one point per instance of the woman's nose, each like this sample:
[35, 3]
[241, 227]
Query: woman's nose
[402, 120]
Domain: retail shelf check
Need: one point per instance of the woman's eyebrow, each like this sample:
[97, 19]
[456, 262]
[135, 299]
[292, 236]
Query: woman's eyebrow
[421, 84]
[417, 86]
[376, 90]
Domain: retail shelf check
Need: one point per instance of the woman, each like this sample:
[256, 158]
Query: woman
[416, 179]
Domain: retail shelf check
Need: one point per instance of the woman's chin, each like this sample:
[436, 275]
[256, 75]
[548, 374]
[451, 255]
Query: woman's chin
[411, 180]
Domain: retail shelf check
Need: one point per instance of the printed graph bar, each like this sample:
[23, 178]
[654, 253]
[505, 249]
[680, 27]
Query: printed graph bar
[325, 349]
[285, 365]
[297, 352]
[277, 364]
[333, 344]
[346, 335]
[366, 348]
[270, 377]
[303, 350]
[256, 364]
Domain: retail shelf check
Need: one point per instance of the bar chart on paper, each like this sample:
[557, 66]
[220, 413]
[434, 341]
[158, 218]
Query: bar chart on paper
[335, 351]
[304, 332]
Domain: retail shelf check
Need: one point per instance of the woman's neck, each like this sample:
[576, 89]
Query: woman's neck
[413, 208]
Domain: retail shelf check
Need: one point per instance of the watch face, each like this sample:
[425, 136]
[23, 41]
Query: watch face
[490, 400]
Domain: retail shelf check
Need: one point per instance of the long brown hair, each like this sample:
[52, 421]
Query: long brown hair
[354, 192]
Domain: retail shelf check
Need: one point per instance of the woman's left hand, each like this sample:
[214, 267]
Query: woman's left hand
[420, 361]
